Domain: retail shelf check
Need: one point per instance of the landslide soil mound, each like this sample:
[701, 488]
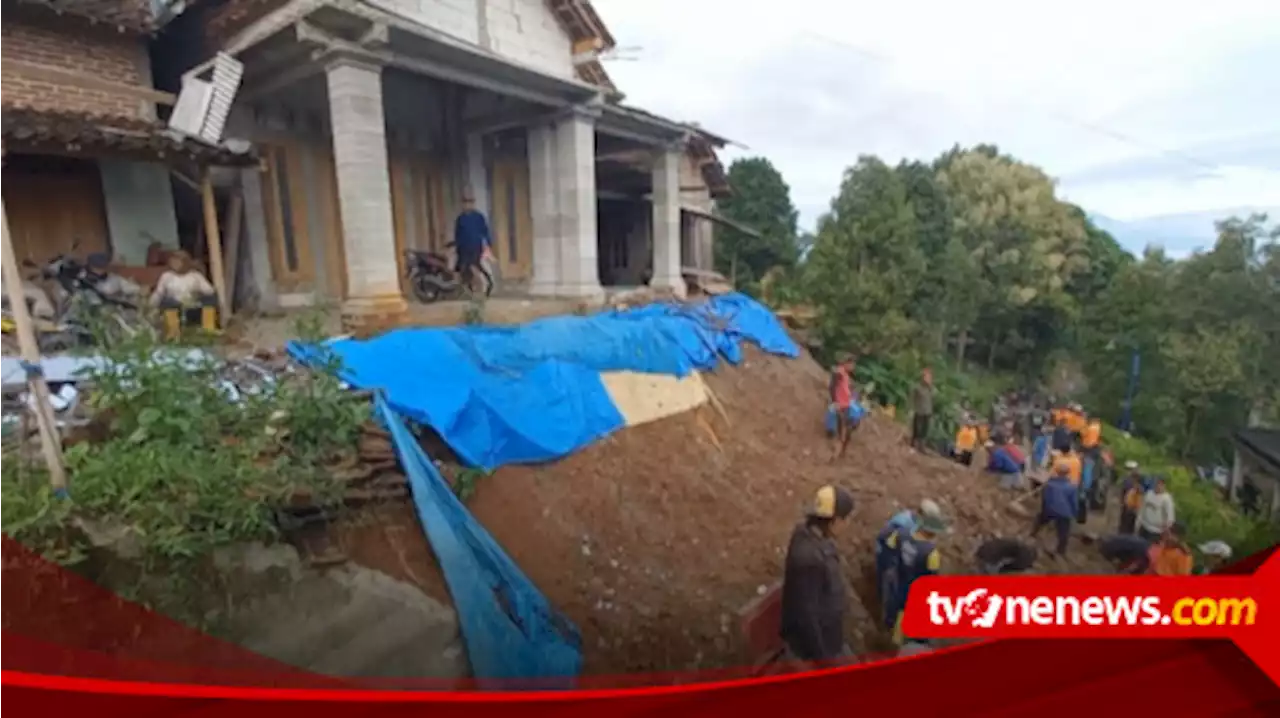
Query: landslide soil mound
[653, 539]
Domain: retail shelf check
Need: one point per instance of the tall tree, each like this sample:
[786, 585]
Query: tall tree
[761, 200]
[866, 263]
[1028, 244]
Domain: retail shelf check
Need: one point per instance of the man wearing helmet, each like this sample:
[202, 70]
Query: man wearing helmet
[813, 585]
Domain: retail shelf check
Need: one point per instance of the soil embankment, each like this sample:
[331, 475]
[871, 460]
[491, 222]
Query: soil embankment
[652, 539]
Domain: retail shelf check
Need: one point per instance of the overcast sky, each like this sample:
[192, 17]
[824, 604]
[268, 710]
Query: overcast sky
[1138, 107]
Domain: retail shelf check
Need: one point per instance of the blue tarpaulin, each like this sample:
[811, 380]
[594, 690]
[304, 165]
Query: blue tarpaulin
[510, 629]
[531, 393]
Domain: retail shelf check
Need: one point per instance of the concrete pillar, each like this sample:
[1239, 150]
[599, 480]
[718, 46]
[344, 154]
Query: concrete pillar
[364, 192]
[575, 140]
[478, 173]
[666, 222]
[544, 206]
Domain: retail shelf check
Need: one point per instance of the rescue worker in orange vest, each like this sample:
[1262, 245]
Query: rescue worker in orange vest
[1131, 492]
[1075, 419]
[1091, 448]
[1070, 459]
[1170, 556]
[966, 442]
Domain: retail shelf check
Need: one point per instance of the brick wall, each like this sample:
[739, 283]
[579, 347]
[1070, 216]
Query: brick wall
[68, 45]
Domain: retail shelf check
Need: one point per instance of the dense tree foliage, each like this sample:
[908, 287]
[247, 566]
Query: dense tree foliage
[973, 259]
[760, 200]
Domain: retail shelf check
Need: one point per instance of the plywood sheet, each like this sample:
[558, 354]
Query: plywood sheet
[642, 398]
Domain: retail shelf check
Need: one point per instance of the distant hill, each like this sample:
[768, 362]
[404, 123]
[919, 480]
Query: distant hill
[1179, 234]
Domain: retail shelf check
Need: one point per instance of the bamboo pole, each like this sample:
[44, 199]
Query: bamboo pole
[214, 241]
[50, 440]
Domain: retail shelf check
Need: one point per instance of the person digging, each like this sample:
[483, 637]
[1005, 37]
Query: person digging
[1129, 554]
[902, 524]
[813, 585]
[182, 291]
[1058, 505]
[915, 555]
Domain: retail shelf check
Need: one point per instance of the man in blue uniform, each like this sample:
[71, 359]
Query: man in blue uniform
[916, 554]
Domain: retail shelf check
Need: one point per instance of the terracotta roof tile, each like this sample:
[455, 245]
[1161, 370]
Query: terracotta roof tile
[29, 129]
[132, 15]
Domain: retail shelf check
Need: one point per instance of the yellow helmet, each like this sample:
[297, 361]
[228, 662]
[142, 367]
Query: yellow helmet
[831, 502]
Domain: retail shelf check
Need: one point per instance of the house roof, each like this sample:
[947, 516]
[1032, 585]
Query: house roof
[27, 129]
[132, 15]
[1265, 443]
[582, 22]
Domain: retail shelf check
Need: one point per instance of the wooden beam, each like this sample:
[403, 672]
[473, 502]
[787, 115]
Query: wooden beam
[50, 439]
[587, 44]
[216, 270]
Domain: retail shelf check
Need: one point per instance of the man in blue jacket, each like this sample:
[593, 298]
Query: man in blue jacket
[472, 239]
[1058, 504]
[1002, 463]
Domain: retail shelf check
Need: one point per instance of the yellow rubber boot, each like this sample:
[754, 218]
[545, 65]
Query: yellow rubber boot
[172, 323]
[209, 319]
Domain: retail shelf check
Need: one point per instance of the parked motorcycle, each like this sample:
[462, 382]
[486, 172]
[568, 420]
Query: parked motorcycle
[433, 278]
[83, 299]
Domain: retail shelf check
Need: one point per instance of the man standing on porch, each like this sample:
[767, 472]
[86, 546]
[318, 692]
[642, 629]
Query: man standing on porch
[473, 241]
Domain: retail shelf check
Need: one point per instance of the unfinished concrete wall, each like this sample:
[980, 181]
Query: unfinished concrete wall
[139, 201]
[527, 32]
[524, 31]
[459, 18]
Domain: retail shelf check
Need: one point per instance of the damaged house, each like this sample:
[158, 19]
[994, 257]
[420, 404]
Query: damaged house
[368, 122]
[374, 118]
[89, 166]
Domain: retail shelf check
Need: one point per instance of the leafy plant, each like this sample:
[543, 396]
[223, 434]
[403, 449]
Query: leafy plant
[473, 315]
[464, 484]
[188, 467]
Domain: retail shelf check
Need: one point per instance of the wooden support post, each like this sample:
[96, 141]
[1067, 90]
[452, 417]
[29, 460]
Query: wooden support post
[50, 440]
[217, 272]
[235, 217]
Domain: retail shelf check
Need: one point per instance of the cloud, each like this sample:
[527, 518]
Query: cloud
[1140, 107]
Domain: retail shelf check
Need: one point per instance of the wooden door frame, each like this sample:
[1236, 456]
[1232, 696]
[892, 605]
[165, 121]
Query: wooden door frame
[305, 275]
[423, 198]
[511, 171]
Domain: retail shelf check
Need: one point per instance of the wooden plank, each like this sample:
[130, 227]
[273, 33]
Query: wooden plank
[50, 440]
[216, 269]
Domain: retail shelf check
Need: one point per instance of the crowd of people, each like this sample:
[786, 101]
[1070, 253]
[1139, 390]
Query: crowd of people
[1069, 461]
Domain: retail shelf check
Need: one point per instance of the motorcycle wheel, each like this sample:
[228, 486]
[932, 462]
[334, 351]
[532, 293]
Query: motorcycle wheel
[426, 290]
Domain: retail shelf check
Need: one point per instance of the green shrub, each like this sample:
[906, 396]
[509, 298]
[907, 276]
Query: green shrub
[1200, 504]
[185, 470]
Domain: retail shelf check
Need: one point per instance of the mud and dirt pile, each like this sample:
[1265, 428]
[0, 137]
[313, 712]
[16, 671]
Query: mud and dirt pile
[653, 539]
